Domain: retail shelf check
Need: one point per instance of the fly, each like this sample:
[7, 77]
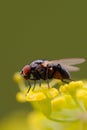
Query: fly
[54, 69]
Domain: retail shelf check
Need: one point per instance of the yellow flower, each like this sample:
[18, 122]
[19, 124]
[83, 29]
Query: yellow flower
[61, 102]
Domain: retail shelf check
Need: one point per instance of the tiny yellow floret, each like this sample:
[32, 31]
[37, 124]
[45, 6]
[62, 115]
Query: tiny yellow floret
[72, 87]
[17, 77]
[20, 97]
[31, 96]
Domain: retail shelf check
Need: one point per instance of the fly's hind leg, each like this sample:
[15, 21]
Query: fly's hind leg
[47, 72]
[66, 80]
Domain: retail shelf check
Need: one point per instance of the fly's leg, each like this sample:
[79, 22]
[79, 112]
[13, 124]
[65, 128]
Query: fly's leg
[34, 79]
[39, 81]
[48, 83]
[29, 84]
[67, 80]
[47, 76]
[34, 84]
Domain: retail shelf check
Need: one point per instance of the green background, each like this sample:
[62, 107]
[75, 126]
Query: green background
[38, 30]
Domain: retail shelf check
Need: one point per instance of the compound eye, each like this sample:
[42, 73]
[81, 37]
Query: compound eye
[26, 70]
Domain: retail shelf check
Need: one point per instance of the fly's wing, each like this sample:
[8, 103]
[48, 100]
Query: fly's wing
[66, 63]
[71, 68]
[71, 61]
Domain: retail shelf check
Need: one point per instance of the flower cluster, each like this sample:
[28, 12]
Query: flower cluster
[61, 102]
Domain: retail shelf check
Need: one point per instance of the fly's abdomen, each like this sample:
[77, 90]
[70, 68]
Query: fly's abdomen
[61, 73]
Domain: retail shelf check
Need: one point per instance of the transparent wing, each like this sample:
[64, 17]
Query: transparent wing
[71, 68]
[71, 61]
[66, 63]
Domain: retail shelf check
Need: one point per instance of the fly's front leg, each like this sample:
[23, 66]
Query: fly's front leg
[34, 84]
[29, 84]
[48, 83]
[34, 79]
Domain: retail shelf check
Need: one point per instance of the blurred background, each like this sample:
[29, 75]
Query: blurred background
[38, 30]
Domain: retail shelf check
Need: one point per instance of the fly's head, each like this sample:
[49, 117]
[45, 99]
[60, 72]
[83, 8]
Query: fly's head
[26, 71]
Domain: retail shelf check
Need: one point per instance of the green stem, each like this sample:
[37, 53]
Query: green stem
[79, 104]
[63, 119]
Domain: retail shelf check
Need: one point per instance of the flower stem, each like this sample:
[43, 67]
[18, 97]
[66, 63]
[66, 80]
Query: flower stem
[63, 119]
[79, 104]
